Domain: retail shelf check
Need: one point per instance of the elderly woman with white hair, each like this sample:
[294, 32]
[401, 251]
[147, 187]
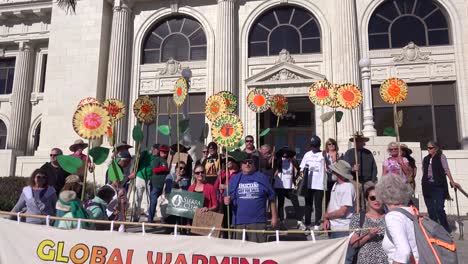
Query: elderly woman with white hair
[399, 242]
[396, 164]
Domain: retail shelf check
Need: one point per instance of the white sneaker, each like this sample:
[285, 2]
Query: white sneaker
[301, 226]
[316, 228]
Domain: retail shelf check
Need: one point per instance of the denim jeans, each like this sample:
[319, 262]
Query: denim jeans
[434, 197]
[154, 195]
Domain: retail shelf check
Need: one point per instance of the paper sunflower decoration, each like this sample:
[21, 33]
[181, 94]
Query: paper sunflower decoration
[215, 107]
[91, 121]
[321, 93]
[144, 110]
[349, 96]
[227, 130]
[231, 101]
[334, 102]
[279, 105]
[394, 91]
[88, 100]
[116, 109]
[258, 100]
[180, 91]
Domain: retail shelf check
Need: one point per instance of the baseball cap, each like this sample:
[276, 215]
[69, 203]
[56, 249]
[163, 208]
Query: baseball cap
[315, 141]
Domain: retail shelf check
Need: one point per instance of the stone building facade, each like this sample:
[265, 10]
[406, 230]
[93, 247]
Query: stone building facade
[50, 59]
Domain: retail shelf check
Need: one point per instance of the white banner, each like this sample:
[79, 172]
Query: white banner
[26, 243]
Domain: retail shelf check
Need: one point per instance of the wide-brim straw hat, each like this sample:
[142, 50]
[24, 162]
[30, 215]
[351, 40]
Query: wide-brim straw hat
[285, 152]
[79, 143]
[404, 147]
[343, 169]
[73, 179]
[359, 137]
[65, 196]
[123, 145]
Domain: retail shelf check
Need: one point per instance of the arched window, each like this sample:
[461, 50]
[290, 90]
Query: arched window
[395, 23]
[288, 27]
[3, 135]
[181, 38]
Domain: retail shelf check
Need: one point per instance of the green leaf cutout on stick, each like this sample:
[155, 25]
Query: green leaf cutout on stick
[325, 117]
[137, 133]
[339, 116]
[389, 132]
[114, 172]
[69, 164]
[164, 129]
[264, 132]
[99, 154]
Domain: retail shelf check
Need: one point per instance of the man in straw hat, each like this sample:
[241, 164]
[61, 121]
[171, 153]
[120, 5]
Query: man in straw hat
[77, 148]
[342, 202]
[366, 166]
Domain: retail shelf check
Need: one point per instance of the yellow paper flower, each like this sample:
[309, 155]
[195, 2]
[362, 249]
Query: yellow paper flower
[116, 109]
[349, 96]
[215, 106]
[394, 91]
[180, 91]
[321, 93]
[279, 105]
[144, 109]
[231, 101]
[227, 130]
[91, 121]
[258, 100]
[88, 100]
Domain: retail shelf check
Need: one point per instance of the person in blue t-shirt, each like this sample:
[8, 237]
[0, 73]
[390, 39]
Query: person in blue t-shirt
[249, 192]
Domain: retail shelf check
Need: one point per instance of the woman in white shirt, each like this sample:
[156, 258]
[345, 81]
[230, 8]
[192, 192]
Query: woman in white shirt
[399, 242]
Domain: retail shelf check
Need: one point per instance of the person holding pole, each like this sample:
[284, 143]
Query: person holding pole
[160, 171]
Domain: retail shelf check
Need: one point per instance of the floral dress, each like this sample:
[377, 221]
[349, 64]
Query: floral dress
[371, 252]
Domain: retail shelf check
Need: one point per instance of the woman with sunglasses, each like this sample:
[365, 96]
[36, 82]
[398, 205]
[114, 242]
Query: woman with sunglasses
[369, 242]
[434, 183]
[396, 164]
[200, 186]
[38, 198]
[331, 156]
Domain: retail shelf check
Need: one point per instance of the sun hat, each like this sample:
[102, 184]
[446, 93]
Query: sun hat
[164, 148]
[343, 169]
[73, 179]
[79, 143]
[285, 152]
[64, 198]
[359, 137]
[123, 146]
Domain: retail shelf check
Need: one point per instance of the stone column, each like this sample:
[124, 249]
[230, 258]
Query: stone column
[369, 129]
[225, 71]
[20, 98]
[120, 52]
[345, 50]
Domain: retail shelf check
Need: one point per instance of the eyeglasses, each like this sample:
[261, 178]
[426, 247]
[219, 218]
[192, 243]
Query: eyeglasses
[430, 147]
[372, 198]
[181, 168]
[248, 161]
[249, 141]
[53, 155]
[198, 172]
[40, 176]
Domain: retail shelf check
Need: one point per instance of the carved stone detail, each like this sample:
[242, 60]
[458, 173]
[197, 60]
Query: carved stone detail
[285, 56]
[284, 75]
[173, 67]
[411, 53]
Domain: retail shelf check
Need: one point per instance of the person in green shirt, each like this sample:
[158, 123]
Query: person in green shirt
[160, 170]
[98, 205]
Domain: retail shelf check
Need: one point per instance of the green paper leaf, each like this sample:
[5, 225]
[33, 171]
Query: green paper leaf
[137, 133]
[264, 132]
[114, 172]
[69, 164]
[164, 129]
[145, 160]
[389, 132]
[183, 125]
[325, 117]
[339, 116]
[399, 118]
[99, 154]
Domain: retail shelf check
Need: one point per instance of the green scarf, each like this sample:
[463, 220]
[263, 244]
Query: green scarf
[77, 211]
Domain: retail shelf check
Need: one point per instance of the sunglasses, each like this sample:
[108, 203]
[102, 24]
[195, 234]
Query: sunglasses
[181, 168]
[249, 141]
[391, 149]
[331, 144]
[248, 161]
[41, 176]
[205, 151]
[430, 147]
[372, 198]
[53, 155]
[198, 172]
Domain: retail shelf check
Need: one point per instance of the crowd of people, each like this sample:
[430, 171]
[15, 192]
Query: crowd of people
[251, 185]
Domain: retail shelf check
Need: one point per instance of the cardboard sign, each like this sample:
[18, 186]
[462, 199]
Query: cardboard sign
[207, 219]
[183, 203]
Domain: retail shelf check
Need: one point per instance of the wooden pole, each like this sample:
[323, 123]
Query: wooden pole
[83, 191]
[258, 130]
[94, 177]
[324, 174]
[178, 136]
[358, 198]
[135, 170]
[336, 124]
[274, 145]
[397, 129]
[227, 193]
[169, 123]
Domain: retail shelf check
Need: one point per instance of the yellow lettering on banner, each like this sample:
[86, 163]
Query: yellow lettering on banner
[115, 257]
[50, 255]
[60, 256]
[73, 254]
[98, 255]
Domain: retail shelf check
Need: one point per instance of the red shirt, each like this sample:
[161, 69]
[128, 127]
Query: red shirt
[209, 194]
[223, 181]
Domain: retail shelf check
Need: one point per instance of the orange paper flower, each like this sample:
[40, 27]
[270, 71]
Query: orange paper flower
[279, 105]
[227, 130]
[91, 121]
[394, 91]
[180, 91]
[215, 107]
[349, 96]
[321, 93]
[144, 110]
[116, 109]
[258, 100]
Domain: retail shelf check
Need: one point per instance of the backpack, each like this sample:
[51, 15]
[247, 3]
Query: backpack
[435, 245]
[92, 203]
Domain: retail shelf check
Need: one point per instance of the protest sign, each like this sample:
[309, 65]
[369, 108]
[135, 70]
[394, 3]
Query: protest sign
[183, 203]
[207, 219]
